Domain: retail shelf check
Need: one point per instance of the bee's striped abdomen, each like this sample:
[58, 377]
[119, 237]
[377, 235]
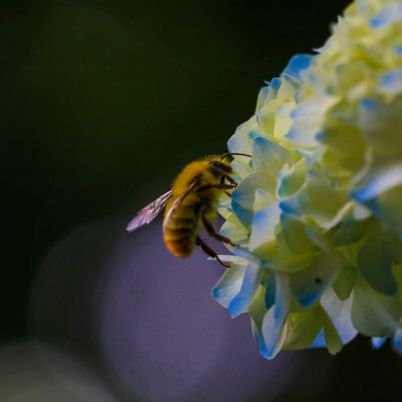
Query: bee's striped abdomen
[181, 232]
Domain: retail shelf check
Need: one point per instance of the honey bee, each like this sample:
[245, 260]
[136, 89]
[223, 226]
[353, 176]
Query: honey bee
[191, 204]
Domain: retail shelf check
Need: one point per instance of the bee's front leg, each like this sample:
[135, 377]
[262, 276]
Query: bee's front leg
[211, 252]
[211, 230]
[231, 180]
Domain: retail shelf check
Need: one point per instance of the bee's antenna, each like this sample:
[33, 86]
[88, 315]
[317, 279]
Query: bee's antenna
[233, 153]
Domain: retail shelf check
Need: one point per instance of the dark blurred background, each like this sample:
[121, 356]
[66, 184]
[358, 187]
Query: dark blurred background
[102, 102]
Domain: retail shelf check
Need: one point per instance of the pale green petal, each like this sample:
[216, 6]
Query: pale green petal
[290, 179]
[279, 257]
[283, 121]
[345, 281]
[294, 233]
[374, 314]
[316, 199]
[268, 93]
[381, 125]
[375, 261]
[266, 116]
[263, 199]
[387, 207]
[332, 338]
[269, 156]
[343, 138]
[302, 328]
[233, 229]
[350, 230]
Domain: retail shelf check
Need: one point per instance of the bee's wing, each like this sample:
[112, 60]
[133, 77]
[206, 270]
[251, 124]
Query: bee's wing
[149, 212]
[193, 185]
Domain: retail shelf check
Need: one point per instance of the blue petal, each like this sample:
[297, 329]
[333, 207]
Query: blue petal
[263, 228]
[276, 84]
[380, 180]
[245, 216]
[241, 301]
[391, 82]
[308, 119]
[389, 14]
[273, 329]
[262, 348]
[397, 341]
[228, 286]
[304, 128]
[398, 50]
[378, 341]
[289, 207]
[297, 64]
[319, 341]
[243, 196]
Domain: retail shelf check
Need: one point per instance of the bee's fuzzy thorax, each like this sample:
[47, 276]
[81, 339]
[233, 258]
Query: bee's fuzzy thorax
[187, 175]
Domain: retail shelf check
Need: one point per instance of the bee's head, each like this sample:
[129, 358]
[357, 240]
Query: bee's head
[220, 165]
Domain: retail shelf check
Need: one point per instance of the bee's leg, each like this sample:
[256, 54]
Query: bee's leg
[211, 230]
[208, 250]
[231, 180]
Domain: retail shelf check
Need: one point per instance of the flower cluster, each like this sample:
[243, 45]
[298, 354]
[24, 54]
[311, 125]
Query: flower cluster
[318, 209]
